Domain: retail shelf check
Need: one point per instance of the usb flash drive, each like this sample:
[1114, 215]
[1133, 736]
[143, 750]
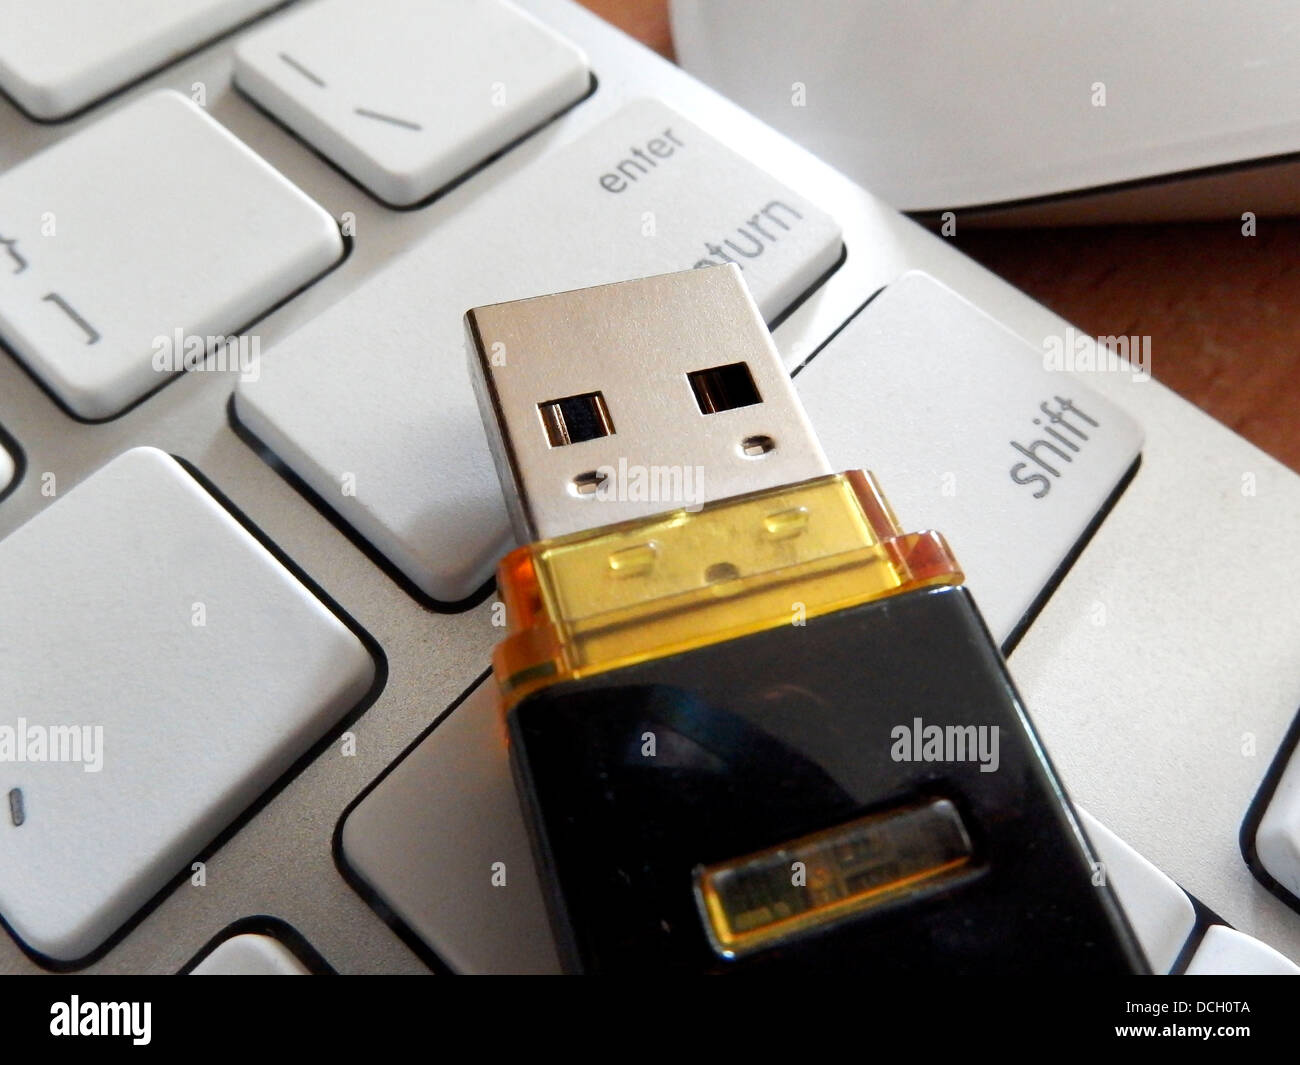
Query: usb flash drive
[754, 724]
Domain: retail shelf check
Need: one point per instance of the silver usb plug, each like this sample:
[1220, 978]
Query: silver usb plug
[627, 400]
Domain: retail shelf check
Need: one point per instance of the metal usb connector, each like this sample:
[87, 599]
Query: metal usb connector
[631, 399]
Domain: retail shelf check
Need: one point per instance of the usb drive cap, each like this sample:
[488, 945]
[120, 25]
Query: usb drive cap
[631, 399]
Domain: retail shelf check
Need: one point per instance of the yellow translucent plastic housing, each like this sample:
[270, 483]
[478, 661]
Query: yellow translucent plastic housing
[613, 596]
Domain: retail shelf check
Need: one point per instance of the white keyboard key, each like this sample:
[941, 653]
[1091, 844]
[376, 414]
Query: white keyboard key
[250, 954]
[139, 617]
[57, 56]
[1159, 910]
[407, 95]
[430, 834]
[1226, 952]
[151, 221]
[404, 460]
[1277, 837]
[938, 399]
[7, 469]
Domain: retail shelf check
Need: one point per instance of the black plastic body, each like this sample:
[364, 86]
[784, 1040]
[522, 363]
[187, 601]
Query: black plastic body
[786, 732]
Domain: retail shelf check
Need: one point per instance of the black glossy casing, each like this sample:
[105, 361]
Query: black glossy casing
[786, 732]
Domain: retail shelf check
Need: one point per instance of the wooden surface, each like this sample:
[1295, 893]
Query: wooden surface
[1222, 309]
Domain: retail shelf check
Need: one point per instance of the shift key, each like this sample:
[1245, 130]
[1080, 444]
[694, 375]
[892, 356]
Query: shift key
[371, 403]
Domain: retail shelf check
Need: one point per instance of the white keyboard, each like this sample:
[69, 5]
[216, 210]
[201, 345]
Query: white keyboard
[245, 600]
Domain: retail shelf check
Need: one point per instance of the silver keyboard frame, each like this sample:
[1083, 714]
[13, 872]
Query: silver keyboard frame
[1144, 716]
